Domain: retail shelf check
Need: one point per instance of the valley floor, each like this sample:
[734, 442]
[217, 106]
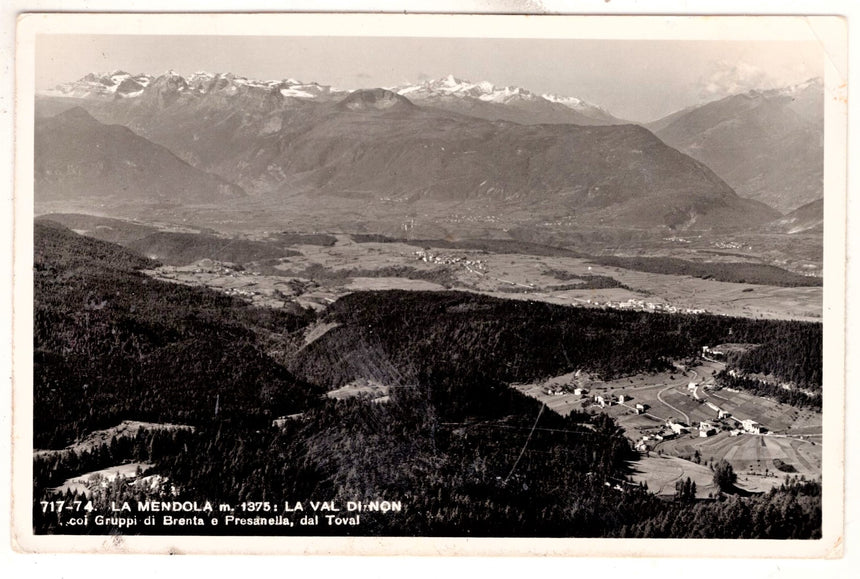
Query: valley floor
[349, 266]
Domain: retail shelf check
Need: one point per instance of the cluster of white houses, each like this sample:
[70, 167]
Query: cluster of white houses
[741, 426]
[604, 400]
[429, 257]
[560, 390]
[642, 305]
[712, 352]
[706, 428]
[234, 291]
[711, 427]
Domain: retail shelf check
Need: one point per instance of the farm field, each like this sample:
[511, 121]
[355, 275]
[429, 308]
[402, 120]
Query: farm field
[753, 456]
[387, 283]
[661, 473]
[367, 388]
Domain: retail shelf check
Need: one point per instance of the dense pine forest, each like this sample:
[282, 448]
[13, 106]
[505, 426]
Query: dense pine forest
[412, 333]
[466, 454]
[735, 272]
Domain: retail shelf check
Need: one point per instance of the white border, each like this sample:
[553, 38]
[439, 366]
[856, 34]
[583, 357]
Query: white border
[464, 26]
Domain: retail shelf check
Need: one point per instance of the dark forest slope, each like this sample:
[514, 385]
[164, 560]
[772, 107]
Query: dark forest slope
[403, 338]
[112, 344]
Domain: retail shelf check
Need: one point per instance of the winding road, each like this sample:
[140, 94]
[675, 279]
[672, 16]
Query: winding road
[669, 387]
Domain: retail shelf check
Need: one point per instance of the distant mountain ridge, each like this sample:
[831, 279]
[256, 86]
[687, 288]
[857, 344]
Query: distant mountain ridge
[805, 219]
[438, 142]
[77, 156]
[768, 145]
[117, 84]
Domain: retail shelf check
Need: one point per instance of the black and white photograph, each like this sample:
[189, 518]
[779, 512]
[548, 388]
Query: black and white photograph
[433, 277]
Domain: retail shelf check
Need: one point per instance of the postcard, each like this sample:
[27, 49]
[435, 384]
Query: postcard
[420, 284]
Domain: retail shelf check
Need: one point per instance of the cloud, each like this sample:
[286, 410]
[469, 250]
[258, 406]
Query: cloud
[732, 78]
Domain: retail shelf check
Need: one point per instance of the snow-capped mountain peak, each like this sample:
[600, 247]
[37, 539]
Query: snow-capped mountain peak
[451, 86]
[201, 75]
[447, 91]
[451, 81]
[115, 84]
[575, 103]
[565, 100]
[813, 83]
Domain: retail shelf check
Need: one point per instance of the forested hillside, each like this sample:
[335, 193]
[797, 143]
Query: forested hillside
[794, 355]
[403, 337]
[111, 343]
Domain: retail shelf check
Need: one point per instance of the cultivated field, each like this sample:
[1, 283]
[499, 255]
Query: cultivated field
[752, 456]
[364, 388]
[661, 473]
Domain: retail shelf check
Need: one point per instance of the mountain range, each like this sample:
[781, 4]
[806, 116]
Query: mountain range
[481, 99]
[446, 141]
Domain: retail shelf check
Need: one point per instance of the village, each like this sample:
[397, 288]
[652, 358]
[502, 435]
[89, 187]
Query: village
[643, 306]
[473, 265]
[683, 420]
[671, 427]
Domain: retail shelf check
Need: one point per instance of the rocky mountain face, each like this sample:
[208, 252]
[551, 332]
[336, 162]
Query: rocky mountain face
[77, 156]
[378, 145]
[768, 145]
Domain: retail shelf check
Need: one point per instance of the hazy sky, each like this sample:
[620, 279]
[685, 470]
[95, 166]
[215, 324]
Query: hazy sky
[639, 80]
